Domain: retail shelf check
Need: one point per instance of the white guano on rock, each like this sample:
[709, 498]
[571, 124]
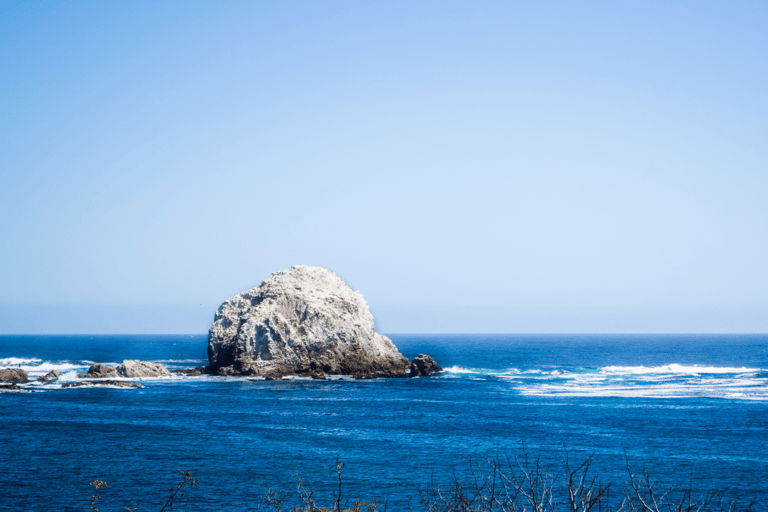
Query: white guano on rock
[301, 321]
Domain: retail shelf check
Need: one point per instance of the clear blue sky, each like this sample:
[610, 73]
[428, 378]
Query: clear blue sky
[468, 166]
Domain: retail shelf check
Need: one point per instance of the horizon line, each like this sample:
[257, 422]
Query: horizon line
[436, 334]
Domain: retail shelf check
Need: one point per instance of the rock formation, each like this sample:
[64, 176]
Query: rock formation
[115, 383]
[13, 388]
[190, 372]
[99, 371]
[301, 321]
[50, 376]
[135, 369]
[423, 365]
[130, 368]
[13, 375]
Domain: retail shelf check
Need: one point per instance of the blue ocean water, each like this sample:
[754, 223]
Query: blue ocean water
[689, 408]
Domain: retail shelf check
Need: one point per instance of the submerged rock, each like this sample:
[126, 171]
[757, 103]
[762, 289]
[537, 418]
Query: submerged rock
[301, 321]
[134, 369]
[13, 388]
[190, 372]
[423, 365]
[99, 371]
[50, 376]
[13, 375]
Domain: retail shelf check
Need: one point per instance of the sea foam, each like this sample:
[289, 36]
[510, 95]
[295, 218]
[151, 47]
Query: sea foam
[672, 380]
[676, 368]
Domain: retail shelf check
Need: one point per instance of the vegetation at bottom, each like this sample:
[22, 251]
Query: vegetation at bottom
[520, 484]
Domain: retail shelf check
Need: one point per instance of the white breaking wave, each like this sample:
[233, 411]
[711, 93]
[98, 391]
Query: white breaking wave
[482, 371]
[36, 367]
[665, 381]
[676, 368]
[674, 382]
[756, 389]
[69, 377]
[459, 369]
[47, 367]
[511, 373]
[16, 361]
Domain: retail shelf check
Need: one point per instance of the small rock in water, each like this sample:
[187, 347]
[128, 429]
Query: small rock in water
[13, 375]
[116, 383]
[50, 376]
[423, 365]
[13, 388]
[134, 369]
[190, 372]
[99, 371]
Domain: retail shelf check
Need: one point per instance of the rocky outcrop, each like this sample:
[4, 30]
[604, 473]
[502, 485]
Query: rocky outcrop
[301, 321]
[134, 369]
[190, 372]
[50, 376]
[99, 371]
[115, 383]
[130, 368]
[13, 388]
[13, 375]
[423, 365]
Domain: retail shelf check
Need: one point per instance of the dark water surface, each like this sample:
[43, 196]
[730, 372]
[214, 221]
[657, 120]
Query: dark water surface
[689, 408]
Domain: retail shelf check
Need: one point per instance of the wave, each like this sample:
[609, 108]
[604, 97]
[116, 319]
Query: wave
[17, 361]
[729, 389]
[36, 367]
[70, 376]
[672, 380]
[649, 373]
[47, 367]
[677, 368]
[459, 369]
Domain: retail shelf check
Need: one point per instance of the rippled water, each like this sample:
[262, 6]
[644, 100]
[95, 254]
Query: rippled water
[691, 408]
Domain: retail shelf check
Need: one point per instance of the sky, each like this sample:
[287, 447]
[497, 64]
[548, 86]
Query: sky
[469, 167]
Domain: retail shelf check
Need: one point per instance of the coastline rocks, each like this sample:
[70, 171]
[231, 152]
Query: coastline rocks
[99, 371]
[423, 365]
[190, 372]
[133, 369]
[13, 375]
[50, 376]
[301, 321]
[13, 388]
[130, 368]
[115, 383]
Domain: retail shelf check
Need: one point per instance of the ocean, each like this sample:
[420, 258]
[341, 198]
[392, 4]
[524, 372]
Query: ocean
[692, 410]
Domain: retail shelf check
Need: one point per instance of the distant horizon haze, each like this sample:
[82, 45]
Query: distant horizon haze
[474, 167]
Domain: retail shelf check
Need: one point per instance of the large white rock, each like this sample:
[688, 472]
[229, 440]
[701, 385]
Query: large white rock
[301, 321]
